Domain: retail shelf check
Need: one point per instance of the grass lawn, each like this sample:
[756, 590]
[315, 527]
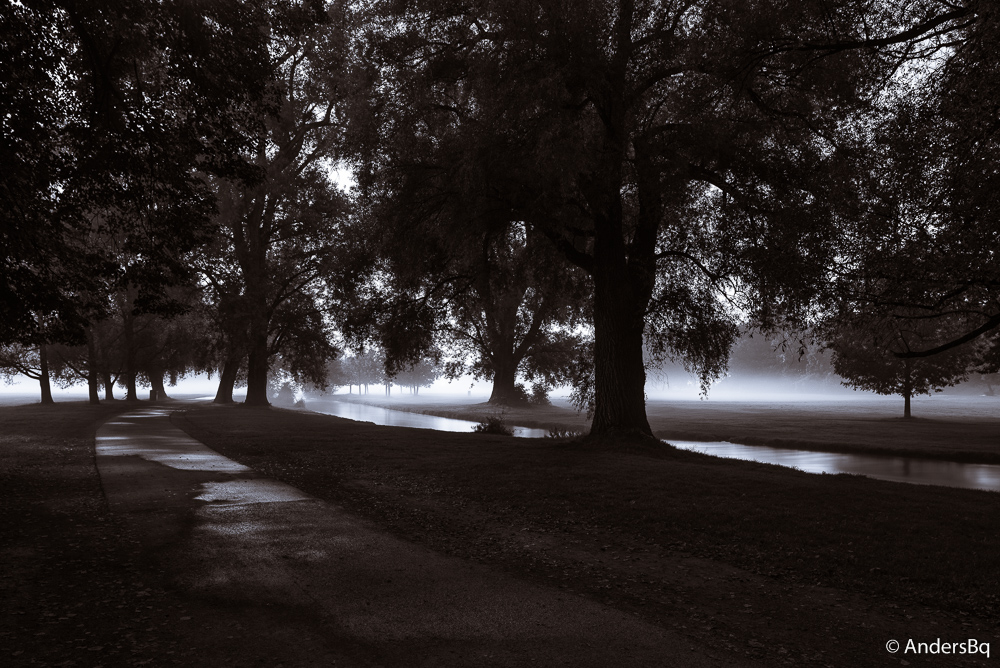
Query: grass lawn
[685, 540]
[72, 589]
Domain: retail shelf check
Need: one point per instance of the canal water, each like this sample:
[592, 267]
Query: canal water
[393, 418]
[898, 469]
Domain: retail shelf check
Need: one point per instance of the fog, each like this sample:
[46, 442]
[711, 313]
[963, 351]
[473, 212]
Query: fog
[672, 384]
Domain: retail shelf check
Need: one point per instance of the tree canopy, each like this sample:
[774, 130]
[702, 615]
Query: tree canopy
[545, 190]
[922, 249]
[111, 112]
[693, 158]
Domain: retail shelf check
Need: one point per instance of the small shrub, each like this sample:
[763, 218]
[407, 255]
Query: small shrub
[494, 424]
[521, 395]
[285, 396]
[539, 395]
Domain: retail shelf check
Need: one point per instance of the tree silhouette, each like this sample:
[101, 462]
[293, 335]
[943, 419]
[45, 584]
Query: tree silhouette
[113, 112]
[868, 359]
[925, 241]
[682, 154]
[277, 237]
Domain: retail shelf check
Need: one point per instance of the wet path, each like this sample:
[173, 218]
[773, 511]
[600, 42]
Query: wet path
[328, 585]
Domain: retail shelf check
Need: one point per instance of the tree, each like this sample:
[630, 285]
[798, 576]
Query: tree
[923, 247]
[30, 361]
[363, 369]
[301, 342]
[277, 238]
[420, 374]
[112, 113]
[501, 303]
[518, 315]
[869, 359]
[679, 153]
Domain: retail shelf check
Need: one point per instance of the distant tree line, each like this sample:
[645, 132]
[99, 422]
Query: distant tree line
[368, 368]
[556, 193]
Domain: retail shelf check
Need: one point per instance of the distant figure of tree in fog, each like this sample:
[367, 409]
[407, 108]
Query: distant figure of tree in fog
[419, 374]
[868, 360]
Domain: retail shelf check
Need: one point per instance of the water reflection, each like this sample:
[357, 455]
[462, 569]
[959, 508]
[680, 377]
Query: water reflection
[388, 417]
[256, 490]
[898, 469]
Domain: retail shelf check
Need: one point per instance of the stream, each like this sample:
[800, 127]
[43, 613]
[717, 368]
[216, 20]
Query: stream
[881, 467]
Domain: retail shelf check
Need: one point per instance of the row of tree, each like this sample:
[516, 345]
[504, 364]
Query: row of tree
[560, 192]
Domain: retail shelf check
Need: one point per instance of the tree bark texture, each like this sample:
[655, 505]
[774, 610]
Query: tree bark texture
[132, 393]
[257, 368]
[227, 380]
[92, 373]
[907, 387]
[623, 276]
[109, 387]
[43, 376]
[504, 378]
[156, 383]
[619, 374]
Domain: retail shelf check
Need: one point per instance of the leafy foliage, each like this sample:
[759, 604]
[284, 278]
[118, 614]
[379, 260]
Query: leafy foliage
[112, 115]
[923, 245]
[868, 359]
[682, 154]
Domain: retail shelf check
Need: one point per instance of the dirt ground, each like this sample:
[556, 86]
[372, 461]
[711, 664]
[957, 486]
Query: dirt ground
[758, 562]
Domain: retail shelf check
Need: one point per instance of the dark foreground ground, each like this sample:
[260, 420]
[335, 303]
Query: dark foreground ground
[78, 589]
[758, 562]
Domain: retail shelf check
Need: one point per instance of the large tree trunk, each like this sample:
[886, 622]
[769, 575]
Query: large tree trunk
[132, 393]
[623, 284]
[619, 374]
[907, 387]
[227, 380]
[156, 383]
[43, 376]
[92, 372]
[504, 379]
[109, 387]
[257, 368]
